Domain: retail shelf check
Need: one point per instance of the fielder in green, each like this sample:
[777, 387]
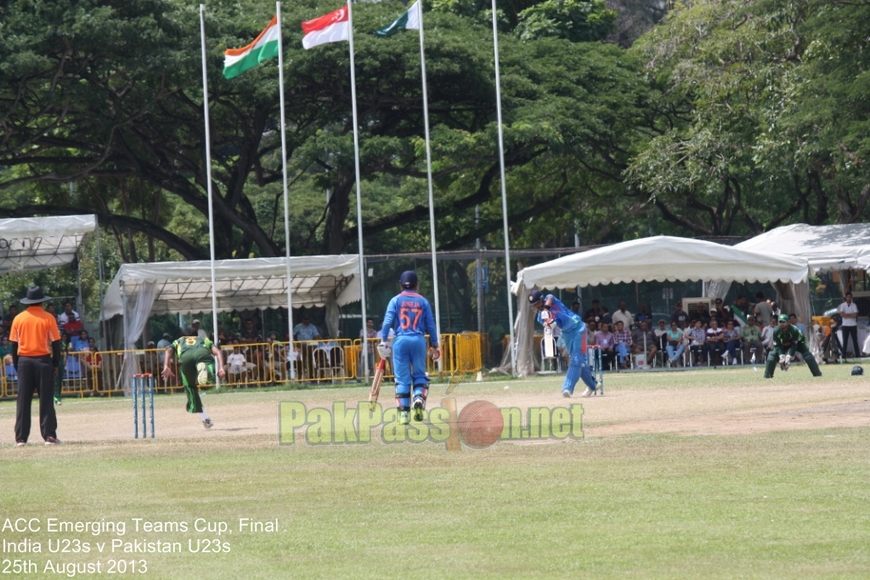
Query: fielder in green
[196, 356]
[787, 340]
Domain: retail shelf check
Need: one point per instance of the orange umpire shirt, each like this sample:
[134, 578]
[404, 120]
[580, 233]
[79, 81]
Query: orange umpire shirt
[34, 330]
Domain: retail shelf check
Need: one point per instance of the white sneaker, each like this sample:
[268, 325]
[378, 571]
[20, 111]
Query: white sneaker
[201, 375]
[734, 362]
[566, 393]
[588, 392]
[207, 423]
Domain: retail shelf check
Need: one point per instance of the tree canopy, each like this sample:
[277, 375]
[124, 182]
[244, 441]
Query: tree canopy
[762, 112]
[724, 119]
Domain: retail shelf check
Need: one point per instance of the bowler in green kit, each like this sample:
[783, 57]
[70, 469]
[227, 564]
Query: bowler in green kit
[196, 356]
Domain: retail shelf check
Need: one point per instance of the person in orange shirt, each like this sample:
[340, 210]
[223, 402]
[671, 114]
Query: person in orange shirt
[36, 355]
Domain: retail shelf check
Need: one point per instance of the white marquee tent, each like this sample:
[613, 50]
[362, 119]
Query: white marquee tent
[663, 258]
[658, 258]
[42, 242]
[139, 290]
[836, 247]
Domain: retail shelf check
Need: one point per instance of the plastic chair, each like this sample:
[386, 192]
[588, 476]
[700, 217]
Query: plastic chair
[336, 362]
[320, 363]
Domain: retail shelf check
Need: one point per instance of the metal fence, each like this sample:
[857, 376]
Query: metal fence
[338, 361]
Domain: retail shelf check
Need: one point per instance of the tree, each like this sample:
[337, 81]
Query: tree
[747, 137]
[108, 94]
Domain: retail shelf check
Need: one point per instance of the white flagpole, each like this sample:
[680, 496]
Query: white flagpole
[362, 272]
[292, 367]
[429, 179]
[504, 208]
[208, 178]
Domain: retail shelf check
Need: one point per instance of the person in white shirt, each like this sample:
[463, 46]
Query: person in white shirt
[63, 317]
[624, 315]
[848, 311]
[200, 332]
[237, 365]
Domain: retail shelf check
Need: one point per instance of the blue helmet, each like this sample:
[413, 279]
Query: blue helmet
[408, 279]
[535, 296]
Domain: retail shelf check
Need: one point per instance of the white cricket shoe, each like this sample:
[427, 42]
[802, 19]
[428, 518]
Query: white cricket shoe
[588, 392]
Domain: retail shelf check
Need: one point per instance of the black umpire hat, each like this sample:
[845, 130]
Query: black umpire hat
[34, 296]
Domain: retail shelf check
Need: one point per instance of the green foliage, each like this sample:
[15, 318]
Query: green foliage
[573, 20]
[755, 129]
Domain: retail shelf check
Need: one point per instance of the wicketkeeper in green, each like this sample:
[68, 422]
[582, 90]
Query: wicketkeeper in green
[787, 340]
[196, 356]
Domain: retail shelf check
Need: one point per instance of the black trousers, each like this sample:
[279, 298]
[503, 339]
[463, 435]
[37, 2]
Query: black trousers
[35, 374]
[853, 332]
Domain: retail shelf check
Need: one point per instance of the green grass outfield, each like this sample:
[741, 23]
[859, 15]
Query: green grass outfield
[780, 505]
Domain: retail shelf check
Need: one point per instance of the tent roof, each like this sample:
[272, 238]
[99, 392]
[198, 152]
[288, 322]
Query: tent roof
[836, 247]
[253, 283]
[42, 242]
[663, 258]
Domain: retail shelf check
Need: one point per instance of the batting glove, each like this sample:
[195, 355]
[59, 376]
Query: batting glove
[435, 352]
[385, 350]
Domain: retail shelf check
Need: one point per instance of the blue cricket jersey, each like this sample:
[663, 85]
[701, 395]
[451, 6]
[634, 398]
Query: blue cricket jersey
[409, 314]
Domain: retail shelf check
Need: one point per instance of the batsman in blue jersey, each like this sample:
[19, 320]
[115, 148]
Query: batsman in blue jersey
[410, 316]
[552, 311]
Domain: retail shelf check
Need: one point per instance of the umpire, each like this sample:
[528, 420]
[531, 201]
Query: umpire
[36, 355]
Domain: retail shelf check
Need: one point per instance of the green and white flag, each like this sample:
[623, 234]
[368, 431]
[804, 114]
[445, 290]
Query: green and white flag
[410, 20]
[264, 47]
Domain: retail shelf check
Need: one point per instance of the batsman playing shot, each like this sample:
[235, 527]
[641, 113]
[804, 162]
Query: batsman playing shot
[410, 315]
[551, 311]
[196, 364]
[788, 339]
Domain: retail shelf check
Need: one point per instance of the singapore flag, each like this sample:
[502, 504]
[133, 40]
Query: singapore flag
[330, 27]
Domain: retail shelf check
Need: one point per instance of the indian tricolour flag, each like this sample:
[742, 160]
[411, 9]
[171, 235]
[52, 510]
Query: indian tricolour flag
[410, 20]
[330, 27]
[264, 47]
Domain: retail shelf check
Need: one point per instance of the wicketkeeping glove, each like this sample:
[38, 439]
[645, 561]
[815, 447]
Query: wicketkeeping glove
[385, 350]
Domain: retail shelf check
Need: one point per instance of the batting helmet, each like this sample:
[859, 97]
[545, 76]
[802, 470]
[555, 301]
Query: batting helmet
[535, 296]
[408, 279]
[857, 370]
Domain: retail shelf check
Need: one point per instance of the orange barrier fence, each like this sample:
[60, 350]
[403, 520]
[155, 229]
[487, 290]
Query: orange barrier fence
[102, 373]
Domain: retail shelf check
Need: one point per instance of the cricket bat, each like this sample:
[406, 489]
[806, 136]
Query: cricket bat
[376, 384]
[549, 343]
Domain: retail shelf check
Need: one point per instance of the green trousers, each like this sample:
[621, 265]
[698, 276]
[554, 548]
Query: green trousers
[775, 353]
